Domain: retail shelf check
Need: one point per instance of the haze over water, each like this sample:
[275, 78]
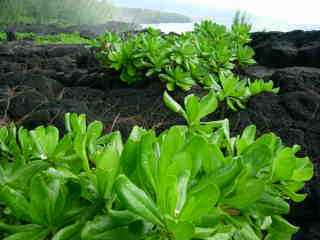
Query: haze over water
[258, 26]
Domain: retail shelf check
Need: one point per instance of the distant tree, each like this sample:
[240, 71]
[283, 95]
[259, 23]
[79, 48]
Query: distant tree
[55, 11]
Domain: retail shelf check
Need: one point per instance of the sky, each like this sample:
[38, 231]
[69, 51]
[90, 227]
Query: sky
[293, 11]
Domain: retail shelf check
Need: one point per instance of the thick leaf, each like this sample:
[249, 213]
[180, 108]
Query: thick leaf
[101, 224]
[281, 229]
[20, 179]
[200, 202]
[192, 105]
[94, 131]
[177, 192]
[80, 147]
[283, 165]
[246, 139]
[173, 105]
[46, 140]
[47, 200]
[131, 151]
[149, 159]
[303, 170]
[108, 167]
[113, 234]
[36, 234]
[273, 205]
[137, 201]
[71, 232]
[208, 104]
[257, 157]
[16, 202]
[181, 230]
[242, 199]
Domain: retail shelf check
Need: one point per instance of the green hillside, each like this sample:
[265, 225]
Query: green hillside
[139, 15]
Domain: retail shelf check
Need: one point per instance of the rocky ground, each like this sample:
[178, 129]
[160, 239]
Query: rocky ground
[86, 31]
[38, 84]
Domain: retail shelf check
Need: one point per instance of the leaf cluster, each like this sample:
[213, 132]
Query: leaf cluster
[207, 56]
[188, 182]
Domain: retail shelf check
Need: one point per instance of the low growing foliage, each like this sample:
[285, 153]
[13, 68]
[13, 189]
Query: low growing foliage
[62, 38]
[3, 36]
[188, 182]
[207, 56]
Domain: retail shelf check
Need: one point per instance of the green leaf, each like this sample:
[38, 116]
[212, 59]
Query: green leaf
[258, 157]
[270, 204]
[47, 200]
[192, 105]
[20, 179]
[208, 104]
[214, 160]
[148, 158]
[36, 234]
[181, 230]
[46, 140]
[242, 199]
[173, 105]
[16, 201]
[200, 202]
[137, 201]
[177, 192]
[303, 169]
[71, 232]
[80, 147]
[283, 165]
[94, 131]
[227, 175]
[116, 233]
[108, 167]
[246, 139]
[100, 224]
[280, 229]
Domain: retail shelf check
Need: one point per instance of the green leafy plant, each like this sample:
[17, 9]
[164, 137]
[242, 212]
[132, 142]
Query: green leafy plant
[62, 38]
[52, 186]
[3, 36]
[188, 182]
[207, 51]
[26, 36]
[207, 56]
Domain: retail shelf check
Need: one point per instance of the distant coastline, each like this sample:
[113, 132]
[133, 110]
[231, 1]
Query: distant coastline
[147, 16]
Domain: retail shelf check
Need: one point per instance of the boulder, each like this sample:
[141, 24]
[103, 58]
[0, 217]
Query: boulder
[296, 48]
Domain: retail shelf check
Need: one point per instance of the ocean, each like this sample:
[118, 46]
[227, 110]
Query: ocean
[258, 26]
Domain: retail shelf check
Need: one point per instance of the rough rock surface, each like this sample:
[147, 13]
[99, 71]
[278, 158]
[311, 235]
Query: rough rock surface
[38, 84]
[296, 48]
[88, 31]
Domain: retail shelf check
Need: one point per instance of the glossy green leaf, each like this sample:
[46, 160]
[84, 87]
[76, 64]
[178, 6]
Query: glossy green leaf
[137, 201]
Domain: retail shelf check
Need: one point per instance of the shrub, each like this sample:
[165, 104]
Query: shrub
[207, 56]
[70, 12]
[188, 182]
[3, 36]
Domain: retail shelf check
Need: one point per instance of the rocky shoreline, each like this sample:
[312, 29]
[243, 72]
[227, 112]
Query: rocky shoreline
[38, 84]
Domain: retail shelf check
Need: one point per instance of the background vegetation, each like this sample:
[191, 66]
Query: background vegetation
[73, 12]
[77, 12]
[138, 15]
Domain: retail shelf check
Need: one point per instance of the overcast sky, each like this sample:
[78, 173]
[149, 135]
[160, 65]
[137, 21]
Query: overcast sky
[294, 11]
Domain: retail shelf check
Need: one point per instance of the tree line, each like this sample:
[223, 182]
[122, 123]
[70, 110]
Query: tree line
[68, 12]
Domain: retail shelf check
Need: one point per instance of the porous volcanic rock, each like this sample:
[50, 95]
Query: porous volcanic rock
[87, 31]
[287, 49]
